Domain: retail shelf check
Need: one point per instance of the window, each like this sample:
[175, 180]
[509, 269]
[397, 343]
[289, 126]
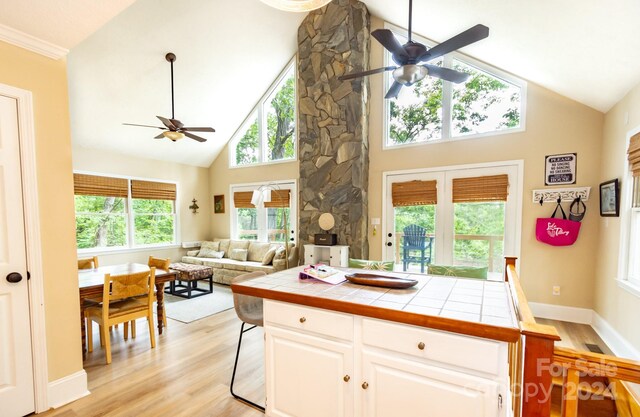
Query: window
[269, 133]
[122, 213]
[272, 222]
[630, 212]
[433, 109]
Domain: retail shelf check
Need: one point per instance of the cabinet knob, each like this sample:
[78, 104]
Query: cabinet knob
[303, 319]
[346, 378]
[421, 346]
[365, 385]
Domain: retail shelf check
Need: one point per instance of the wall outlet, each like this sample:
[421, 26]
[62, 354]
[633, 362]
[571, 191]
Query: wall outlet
[556, 290]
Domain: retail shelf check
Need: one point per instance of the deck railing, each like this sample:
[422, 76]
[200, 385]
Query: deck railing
[492, 239]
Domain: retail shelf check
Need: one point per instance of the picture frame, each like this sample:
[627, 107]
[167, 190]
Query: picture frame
[561, 169]
[610, 198]
[218, 204]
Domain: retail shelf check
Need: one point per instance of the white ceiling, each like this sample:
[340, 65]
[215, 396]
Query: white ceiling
[230, 51]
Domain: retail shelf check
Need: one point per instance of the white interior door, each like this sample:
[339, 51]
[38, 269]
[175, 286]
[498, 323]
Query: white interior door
[16, 369]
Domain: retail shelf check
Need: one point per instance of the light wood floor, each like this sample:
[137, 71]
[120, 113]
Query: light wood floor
[187, 374]
[575, 335]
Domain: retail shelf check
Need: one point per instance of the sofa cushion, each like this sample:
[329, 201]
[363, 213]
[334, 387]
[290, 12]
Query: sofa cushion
[239, 254]
[237, 244]
[257, 250]
[267, 259]
[224, 245]
[209, 245]
[192, 260]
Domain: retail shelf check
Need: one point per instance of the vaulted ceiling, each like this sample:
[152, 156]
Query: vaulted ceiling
[229, 52]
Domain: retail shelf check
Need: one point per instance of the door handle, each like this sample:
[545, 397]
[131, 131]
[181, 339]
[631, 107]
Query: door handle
[14, 277]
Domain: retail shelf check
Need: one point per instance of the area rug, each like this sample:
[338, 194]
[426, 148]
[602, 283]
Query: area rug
[189, 310]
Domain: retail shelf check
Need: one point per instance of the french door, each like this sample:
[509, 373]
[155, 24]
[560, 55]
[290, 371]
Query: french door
[461, 228]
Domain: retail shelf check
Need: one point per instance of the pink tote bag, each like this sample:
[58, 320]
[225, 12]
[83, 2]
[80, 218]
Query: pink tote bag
[555, 231]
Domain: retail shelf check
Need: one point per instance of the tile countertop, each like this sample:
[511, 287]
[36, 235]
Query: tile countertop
[467, 306]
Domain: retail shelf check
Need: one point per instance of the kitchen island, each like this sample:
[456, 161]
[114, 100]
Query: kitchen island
[440, 348]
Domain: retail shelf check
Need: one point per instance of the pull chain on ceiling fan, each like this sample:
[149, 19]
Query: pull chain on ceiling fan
[411, 57]
[173, 128]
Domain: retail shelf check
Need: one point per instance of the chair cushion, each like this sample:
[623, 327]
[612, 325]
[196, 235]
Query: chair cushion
[257, 250]
[479, 272]
[119, 308]
[373, 265]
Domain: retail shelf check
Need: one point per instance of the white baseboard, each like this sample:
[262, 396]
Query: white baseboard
[562, 313]
[616, 342]
[70, 388]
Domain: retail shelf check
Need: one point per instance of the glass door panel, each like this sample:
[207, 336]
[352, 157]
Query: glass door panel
[414, 252]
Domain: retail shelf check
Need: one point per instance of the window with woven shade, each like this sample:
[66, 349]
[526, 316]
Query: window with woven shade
[477, 189]
[84, 184]
[414, 193]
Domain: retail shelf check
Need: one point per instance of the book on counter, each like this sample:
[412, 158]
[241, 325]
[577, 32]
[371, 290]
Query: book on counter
[323, 273]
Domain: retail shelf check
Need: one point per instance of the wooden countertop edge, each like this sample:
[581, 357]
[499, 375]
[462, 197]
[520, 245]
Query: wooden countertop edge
[486, 331]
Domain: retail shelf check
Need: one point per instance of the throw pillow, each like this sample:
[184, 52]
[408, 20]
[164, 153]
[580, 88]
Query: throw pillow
[268, 257]
[458, 271]
[192, 252]
[238, 254]
[280, 253]
[372, 265]
[210, 253]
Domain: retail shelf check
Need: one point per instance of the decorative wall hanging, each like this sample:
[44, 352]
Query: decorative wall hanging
[610, 199]
[218, 204]
[194, 207]
[551, 195]
[560, 169]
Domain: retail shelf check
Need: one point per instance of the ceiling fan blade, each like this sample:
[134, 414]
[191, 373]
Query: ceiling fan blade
[394, 90]
[160, 136]
[446, 74]
[155, 127]
[363, 73]
[389, 41]
[198, 129]
[167, 123]
[198, 138]
[461, 40]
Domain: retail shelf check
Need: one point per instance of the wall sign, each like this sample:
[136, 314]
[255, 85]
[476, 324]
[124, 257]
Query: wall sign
[560, 169]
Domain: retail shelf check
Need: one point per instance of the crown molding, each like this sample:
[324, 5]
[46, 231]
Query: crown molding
[26, 41]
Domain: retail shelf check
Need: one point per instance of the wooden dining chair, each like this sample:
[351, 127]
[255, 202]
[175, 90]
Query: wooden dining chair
[125, 298]
[88, 263]
[163, 264]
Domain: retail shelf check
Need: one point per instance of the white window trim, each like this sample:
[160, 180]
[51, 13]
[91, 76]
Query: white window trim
[293, 207]
[446, 98]
[623, 279]
[258, 110]
[131, 247]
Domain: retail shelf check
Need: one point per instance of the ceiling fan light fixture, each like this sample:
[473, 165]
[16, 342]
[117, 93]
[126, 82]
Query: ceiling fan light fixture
[296, 5]
[409, 74]
[174, 136]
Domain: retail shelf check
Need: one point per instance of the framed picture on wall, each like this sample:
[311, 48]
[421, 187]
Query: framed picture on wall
[218, 203]
[610, 199]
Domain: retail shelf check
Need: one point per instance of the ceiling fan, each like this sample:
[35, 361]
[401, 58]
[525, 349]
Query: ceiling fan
[173, 128]
[412, 57]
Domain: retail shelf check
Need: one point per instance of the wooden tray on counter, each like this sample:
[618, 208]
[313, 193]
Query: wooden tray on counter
[380, 280]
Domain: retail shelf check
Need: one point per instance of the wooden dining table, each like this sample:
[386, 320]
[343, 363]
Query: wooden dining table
[91, 284]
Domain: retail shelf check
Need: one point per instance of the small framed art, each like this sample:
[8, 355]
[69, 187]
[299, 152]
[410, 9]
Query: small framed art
[610, 199]
[218, 203]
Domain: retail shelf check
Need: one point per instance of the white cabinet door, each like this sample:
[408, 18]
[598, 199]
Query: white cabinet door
[305, 376]
[16, 375]
[397, 387]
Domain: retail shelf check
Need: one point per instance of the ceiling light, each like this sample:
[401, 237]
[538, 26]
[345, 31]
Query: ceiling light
[296, 5]
[174, 136]
[409, 74]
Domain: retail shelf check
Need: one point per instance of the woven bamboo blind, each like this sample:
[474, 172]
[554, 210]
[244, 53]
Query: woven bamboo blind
[151, 190]
[279, 198]
[634, 154]
[242, 199]
[414, 193]
[103, 186]
[488, 188]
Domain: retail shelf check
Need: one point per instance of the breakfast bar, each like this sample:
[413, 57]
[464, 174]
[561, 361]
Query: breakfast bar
[354, 350]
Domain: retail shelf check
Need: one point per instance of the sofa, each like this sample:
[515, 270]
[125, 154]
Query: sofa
[225, 268]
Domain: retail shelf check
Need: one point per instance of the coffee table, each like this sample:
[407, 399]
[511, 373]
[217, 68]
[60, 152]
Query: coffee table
[186, 284]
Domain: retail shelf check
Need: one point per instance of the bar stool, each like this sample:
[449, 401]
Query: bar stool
[249, 310]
